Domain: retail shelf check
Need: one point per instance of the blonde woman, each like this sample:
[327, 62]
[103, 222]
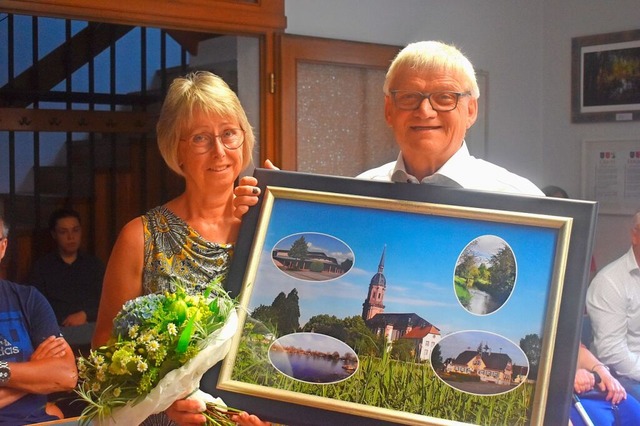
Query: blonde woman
[205, 137]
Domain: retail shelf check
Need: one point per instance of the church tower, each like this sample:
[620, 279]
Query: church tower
[373, 304]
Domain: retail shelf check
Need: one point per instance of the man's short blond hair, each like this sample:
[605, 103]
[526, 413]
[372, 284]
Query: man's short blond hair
[430, 56]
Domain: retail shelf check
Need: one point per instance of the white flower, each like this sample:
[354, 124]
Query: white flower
[133, 331]
[97, 359]
[141, 366]
[172, 329]
[153, 346]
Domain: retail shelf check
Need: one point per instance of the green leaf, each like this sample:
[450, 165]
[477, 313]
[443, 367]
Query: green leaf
[185, 336]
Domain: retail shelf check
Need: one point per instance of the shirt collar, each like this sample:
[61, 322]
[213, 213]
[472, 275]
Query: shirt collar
[632, 262]
[440, 177]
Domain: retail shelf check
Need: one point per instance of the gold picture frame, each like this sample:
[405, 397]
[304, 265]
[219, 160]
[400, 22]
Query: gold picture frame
[419, 234]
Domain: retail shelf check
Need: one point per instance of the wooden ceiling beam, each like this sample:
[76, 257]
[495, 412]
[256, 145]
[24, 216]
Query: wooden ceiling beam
[62, 120]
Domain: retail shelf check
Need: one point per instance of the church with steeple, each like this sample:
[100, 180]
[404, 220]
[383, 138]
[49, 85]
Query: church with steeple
[373, 304]
[396, 326]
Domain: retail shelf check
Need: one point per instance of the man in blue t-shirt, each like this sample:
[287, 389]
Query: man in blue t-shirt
[35, 360]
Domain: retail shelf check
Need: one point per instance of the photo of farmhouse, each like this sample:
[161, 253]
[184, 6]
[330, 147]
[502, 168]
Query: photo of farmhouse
[485, 275]
[312, 257]
[489, 369]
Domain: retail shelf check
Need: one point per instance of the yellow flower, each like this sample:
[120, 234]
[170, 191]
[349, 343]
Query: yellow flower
[119, 362]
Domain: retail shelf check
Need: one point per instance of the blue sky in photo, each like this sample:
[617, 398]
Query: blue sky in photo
[421, 253]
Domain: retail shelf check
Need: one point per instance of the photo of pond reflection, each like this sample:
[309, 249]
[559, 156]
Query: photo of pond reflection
[313, 358]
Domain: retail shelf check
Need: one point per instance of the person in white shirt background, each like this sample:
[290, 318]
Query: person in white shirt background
[613, 305]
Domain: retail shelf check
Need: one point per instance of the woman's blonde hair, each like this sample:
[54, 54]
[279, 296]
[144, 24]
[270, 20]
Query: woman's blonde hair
[198, 91]
[429, 56]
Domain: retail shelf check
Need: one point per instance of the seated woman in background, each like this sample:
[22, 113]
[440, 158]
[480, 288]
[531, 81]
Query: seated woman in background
[205, 137]
[604, 399]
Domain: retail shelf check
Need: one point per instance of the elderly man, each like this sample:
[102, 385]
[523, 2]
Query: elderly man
[431, 99]
[34, 359]
[613, 304]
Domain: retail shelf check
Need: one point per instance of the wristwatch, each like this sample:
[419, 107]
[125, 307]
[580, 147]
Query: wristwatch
[5, 373]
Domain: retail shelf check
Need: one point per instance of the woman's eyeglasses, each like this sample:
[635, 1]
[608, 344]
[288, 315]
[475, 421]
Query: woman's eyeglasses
[201, 143]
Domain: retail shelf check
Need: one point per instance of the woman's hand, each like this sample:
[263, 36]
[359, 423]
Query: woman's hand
[187, 412]
[584, 381]
[247, 192]
[246, 419]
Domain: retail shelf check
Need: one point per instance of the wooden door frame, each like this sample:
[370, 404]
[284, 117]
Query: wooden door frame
[294, 49]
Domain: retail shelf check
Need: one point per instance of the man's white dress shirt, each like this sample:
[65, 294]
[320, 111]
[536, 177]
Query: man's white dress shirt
[461, 170]
[613, 305]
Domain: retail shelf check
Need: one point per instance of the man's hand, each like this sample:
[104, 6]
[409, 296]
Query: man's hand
[269, 165]
[51, 368]
[77, 318]
[609, 384]
[8, 396]
[51, 347]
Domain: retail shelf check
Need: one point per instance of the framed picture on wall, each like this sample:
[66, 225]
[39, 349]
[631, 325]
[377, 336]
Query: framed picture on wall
[370, 303]
[605, 77]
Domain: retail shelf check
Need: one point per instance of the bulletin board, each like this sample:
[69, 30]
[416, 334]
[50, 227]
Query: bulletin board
[611, 175]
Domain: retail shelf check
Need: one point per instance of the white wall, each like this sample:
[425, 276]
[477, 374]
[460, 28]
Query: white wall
[562, 139]
[525, 46]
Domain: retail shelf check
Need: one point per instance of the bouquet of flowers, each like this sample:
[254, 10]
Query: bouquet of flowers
[161, 345]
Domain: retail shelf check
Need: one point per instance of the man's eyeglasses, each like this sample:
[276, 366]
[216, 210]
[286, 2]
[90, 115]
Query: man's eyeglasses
[439, 101]
[201, 143]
